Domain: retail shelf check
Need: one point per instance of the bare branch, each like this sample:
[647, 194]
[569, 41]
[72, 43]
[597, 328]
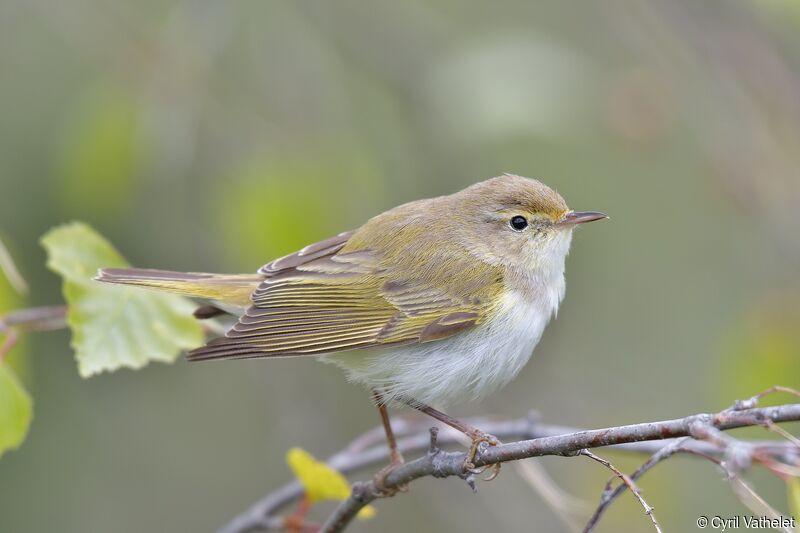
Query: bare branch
[609, 495]
[443, 464]
[753, 401]
[539, 440]
[772, 426]
[743, 491]
[35, 318]
[752, 500]
[628, 483]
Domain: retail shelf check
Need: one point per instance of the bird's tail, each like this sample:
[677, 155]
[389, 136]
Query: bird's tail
[229, 290]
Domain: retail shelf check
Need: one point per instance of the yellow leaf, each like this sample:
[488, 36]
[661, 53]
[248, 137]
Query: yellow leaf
[366, 513]
[320, 481]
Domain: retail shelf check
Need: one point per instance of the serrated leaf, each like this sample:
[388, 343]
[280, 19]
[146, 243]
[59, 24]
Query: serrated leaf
[115, 327]
[16, 410]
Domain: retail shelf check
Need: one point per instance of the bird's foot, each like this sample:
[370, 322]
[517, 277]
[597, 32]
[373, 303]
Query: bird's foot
[381, 490]
[479, 437]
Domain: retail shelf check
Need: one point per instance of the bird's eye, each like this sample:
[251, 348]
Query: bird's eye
[519, 223]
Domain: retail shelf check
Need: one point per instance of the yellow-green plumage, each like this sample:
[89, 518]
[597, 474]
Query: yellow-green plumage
[387, 283]
[418, 274]
[231, 290]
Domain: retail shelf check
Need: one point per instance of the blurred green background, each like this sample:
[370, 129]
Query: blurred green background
[215, 136]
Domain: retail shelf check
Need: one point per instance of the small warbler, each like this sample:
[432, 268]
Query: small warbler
[436, 301]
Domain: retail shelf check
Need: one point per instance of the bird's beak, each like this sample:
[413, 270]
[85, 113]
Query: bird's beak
[574, 218]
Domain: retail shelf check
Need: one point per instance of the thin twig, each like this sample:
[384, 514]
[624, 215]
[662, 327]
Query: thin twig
[546, 440]
[743, 491]
[32, 319]
[772, 426]
[628, 483]
[45, 318]
[754, 400]
[450, 464]
[738, 456]
[751, 499]
[369, 450]
[609, 495]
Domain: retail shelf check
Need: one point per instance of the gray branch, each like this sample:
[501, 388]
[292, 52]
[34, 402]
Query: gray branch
[536, 440]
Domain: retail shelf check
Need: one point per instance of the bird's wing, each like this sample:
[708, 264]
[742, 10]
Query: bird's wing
[325, 248]
[323, 300]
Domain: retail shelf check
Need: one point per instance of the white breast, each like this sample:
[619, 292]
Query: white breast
[465, 367]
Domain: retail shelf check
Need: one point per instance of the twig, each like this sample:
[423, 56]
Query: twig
[35, 319]
[744, 492]
[369, 450]
[770, 425]
[738, 456]
[542, 440]
[628, 483]
[450, 464]
[752, 500]
[610, 495]
[753, 401]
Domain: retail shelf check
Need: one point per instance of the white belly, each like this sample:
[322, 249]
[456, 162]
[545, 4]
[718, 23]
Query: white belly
[465, 367]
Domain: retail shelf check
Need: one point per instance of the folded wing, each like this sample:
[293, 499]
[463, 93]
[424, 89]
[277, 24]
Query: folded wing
[321, 300]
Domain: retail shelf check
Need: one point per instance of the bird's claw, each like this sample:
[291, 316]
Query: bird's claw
[469, 466]
[495, 468]
[379, 481]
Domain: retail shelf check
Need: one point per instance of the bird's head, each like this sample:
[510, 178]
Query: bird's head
[519, 222]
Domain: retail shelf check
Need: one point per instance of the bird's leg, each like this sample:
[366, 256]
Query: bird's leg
[395, 457]
[476, 435]
[394, 454]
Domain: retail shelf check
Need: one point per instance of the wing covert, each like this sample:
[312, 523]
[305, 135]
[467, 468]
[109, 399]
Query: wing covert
[307, 319]
[323, 299]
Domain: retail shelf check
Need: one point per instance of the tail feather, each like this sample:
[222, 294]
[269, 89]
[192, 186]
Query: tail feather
[226, 289]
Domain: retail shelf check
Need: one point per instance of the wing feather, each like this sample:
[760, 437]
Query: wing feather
[328, 298]
[313, 251]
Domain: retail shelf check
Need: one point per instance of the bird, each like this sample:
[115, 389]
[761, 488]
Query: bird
[435, 302]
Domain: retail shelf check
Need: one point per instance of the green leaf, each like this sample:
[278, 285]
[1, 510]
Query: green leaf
[10, 299]
[16, 410]
[115, 327]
